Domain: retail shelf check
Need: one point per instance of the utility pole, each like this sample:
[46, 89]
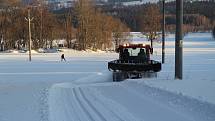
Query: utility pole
[178, 40]
[29, 19]
[163, 34]
[2, 43]
[41, 22]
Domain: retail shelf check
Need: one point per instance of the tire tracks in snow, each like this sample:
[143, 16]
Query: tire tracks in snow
[196, 110]
[111, 112]
[157, 105]
[82, 99]
[109, 107]
[73, 108]
[86, 104]
[82, 105]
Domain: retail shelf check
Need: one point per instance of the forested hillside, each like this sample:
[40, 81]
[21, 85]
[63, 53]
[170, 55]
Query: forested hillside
[93, 26]
[198, 15]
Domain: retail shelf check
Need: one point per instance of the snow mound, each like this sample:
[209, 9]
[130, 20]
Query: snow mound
[11, 51]
[32, 51]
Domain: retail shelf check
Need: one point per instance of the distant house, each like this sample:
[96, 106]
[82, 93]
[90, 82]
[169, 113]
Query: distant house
[59, 4]
[63, 43]
[59, 43]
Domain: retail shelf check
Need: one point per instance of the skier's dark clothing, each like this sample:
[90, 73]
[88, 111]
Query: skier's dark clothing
[62, 57]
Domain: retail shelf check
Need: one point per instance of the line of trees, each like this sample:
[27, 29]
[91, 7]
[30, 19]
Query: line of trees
[87, 26]
[198, 15]
[83, 27]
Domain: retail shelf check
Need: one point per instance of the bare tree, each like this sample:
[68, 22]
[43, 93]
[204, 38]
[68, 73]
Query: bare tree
[95, 29]
[119, 31]
[70, 31]
[8, 15]
[151, 22]
[83, 9]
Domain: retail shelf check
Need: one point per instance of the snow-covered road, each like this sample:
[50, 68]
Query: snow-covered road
[81, 89]
[24, 86]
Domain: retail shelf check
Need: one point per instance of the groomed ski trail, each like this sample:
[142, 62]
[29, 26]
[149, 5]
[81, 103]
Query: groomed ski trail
[79, 104]
[95, 98]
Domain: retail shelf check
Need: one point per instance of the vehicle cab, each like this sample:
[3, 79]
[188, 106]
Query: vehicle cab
[134, 52]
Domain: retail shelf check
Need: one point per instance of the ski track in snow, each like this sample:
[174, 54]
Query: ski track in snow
[86, 102]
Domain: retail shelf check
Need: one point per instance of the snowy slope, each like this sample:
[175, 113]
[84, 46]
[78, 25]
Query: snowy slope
[81, 89]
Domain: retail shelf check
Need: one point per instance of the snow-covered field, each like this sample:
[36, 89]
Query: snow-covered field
[81, 89]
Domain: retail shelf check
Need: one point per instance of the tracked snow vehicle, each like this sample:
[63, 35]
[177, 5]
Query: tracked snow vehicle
[134, 62]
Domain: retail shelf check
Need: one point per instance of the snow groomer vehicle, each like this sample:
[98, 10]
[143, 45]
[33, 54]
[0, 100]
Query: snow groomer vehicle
[134, 62]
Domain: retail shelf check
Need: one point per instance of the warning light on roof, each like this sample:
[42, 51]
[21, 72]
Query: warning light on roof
[125, 45]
